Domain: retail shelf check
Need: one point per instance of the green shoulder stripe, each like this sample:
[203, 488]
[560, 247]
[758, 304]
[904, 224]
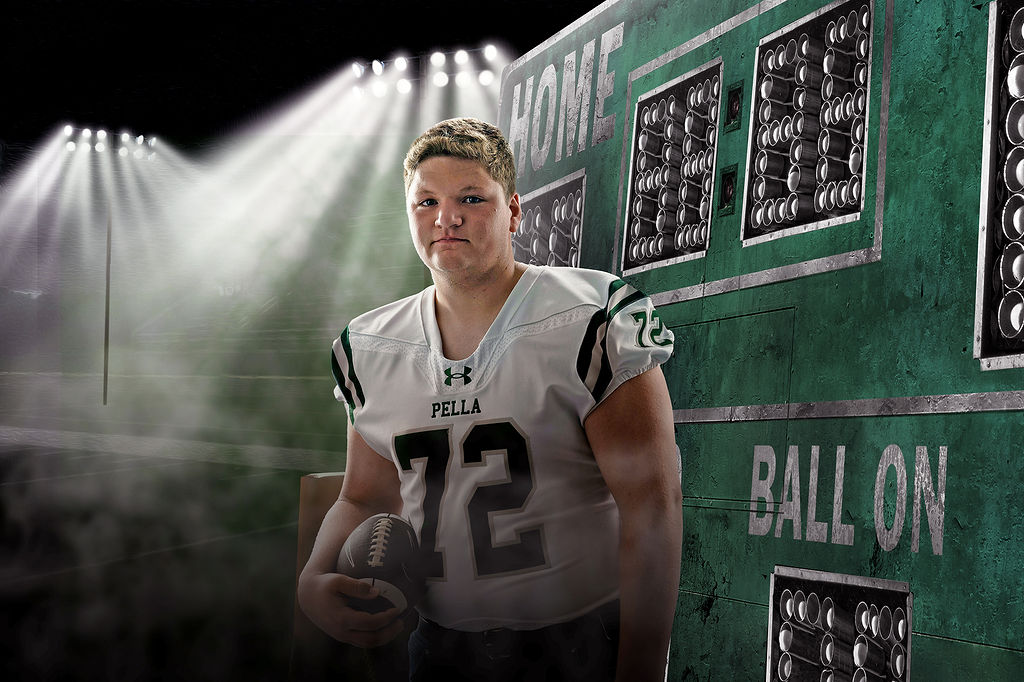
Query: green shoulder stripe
[621, 295]
[346, 378]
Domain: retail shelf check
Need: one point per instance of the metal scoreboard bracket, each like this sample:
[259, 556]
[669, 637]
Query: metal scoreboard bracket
[999, 297]
[552, 225]
[832, 627]
[672, 170]
[808, 124]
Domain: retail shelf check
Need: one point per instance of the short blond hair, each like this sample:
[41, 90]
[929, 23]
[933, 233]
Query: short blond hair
[465, 138]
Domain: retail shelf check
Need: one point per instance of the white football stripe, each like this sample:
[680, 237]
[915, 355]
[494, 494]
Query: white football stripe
[390, 592]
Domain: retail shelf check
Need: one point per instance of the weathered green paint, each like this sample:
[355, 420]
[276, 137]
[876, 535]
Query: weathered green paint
[898, 325]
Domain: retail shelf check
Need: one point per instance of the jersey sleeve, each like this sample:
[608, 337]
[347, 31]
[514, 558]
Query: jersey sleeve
[346, 384]
[624, 339]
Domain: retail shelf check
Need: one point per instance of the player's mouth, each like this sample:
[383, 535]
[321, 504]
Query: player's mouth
[449, 240]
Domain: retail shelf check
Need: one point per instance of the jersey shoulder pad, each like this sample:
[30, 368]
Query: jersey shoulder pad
[562, 289]
[571, 287]
[580, 284]
[399, 320]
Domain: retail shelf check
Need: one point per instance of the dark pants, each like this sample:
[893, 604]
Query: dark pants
[582, 649]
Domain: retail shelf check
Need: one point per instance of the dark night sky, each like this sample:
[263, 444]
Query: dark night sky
[189, 71]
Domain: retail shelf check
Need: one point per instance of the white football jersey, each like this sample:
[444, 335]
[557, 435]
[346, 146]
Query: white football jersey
[516, 522]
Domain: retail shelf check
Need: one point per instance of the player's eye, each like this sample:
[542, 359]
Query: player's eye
[428, 202]
[473, 200]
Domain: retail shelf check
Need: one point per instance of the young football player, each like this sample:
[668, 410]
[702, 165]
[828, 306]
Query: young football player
[518, 417]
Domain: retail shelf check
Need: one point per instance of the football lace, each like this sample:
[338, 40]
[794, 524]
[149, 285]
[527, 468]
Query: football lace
[379, 542]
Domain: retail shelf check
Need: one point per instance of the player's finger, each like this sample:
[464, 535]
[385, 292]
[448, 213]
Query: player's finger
[369, 622]
[351, 587]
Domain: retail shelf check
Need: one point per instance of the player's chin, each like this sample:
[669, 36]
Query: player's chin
[450, 263]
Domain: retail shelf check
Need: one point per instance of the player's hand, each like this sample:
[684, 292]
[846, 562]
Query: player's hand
[324, 599]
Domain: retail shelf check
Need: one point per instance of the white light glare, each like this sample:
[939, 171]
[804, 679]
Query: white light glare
[70, 146]
[100, 146]
[87, 133]
[403, 86]
[101, 134]
[440, 79]
[401, 63]
[140, 139]
[68, 130]
[437, 59]
[490, 53]
[486, 77]
[125, 137]
[462, 79]
[379, 88]
[357, 69]
[378, 67]
[461, 57]
[123, 151]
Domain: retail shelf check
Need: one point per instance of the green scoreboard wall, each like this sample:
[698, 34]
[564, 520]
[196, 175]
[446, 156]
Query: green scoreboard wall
[826, 202]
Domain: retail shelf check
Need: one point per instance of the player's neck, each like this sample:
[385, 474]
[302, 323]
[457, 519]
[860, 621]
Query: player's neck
[465, 309]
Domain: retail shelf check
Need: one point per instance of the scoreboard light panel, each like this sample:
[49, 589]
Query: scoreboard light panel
[999, 307]
[831, 627]
[808, 124]
[806, 164]
[552, 224]
[672, 170]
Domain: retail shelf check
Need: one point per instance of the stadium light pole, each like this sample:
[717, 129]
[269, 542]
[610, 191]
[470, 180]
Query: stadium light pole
[106, 306]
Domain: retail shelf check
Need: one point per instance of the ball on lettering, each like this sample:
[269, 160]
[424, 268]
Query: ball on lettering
[383, 551]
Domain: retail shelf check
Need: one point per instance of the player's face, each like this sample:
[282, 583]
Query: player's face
[460, 219]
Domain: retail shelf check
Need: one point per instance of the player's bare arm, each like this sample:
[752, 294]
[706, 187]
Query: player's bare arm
[371, 486]
[633, 440]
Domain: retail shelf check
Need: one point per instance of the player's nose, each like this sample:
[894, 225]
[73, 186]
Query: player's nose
[449, 214]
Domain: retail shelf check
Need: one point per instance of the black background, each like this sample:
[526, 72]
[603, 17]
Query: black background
[189, 71]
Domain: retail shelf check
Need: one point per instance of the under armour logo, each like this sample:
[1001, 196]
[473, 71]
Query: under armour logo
[464, 375]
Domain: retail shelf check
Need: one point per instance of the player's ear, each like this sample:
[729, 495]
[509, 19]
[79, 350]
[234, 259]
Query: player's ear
[517, 213]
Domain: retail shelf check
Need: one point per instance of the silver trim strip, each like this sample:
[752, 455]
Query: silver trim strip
[581, 173]
[840, 579]
[796, 229]
[986, 180]
[1003, 362]
[771, 276]
[962, 403]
